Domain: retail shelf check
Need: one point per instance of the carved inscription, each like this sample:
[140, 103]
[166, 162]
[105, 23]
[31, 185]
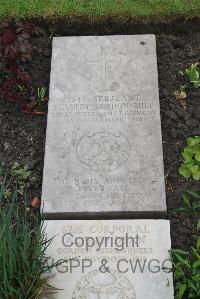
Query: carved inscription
[104, 109]
[110, 192]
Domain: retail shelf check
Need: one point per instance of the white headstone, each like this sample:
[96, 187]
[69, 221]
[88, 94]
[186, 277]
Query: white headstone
[110, 259]
[103, 145]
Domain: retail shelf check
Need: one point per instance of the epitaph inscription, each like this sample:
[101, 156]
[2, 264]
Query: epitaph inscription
[110, 259]
[103, 146]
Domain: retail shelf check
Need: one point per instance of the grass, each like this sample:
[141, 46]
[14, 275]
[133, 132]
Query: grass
[186, 264]
[23, 265]
[145, 9]
[186, 269]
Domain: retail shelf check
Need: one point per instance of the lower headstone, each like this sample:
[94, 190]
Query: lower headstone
[110, 259]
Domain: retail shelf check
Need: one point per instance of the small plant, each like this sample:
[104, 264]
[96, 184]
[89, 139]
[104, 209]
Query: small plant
[39, 99]
[186, 269]
[19, 176]
[41, 92]
[193, 74]
[24, 271]
[180, 95]
[191, 156]
[191, 204]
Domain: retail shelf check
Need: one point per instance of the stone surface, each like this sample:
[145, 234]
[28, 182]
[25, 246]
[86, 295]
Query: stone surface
[103, 145]
[102, 259]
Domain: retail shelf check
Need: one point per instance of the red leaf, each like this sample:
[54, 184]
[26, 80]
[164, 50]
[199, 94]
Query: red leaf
[10, 52]
[25, 35]
[34, 112]
[4, 25]
[24, 76]
[35, 202]
[8, 37]
[38, 31]
[13, 68]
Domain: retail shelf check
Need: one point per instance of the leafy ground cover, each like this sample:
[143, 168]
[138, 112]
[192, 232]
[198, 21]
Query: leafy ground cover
[191, 156]
[15, 51]
[146, 9]
[186, 263]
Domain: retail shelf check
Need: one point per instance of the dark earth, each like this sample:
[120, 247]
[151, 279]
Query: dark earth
[22, 136]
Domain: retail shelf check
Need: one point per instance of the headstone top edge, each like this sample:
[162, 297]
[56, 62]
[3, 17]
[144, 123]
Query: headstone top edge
[59, 38]
[131, 221]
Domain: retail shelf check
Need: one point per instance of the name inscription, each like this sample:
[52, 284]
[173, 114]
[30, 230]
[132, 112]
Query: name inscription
[104, 108]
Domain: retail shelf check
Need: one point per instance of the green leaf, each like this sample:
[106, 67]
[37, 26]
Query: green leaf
[187, 155]
[198, 224]
[179, 251]
[196, 176]
[185, 171]
[198, 241]
[193, 193]
[186, 200]
[193, 140]
[195, 253]
[194, 169]
[182, 209]
[182, 260]
[192, 72]
[181, 290]
[197, 156]
[196, 83]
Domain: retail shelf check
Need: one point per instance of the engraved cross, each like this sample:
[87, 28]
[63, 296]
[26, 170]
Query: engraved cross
[105, 61]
